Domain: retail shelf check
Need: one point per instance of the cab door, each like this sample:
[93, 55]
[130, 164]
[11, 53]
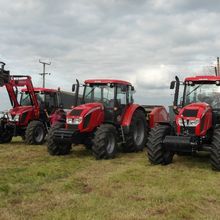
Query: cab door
[123, 99]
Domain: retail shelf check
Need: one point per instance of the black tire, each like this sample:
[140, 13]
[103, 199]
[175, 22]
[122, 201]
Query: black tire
[35, 133]
[137, 137]
[105, 142]
[157, 154]
[55, 148]
[5, 137]
[215, 150]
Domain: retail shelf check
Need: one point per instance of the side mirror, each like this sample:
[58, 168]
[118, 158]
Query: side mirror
[172, 84]
[132, 88]
[73, 87]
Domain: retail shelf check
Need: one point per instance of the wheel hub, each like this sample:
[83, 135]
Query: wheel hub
[139, 132]
[38, 134]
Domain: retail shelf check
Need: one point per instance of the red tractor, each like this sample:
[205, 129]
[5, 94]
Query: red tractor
[195, 126]
[106, 117]
[33, 109]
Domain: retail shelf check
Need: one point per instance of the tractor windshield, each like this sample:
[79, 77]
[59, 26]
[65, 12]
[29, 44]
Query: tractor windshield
[202, 92]
[99, 93]
[26, 100]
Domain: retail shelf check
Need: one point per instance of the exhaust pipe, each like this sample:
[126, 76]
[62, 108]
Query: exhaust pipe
[176, 96]
[76, 93]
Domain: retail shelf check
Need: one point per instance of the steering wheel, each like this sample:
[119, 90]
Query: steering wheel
[105, 101]
[208, 100]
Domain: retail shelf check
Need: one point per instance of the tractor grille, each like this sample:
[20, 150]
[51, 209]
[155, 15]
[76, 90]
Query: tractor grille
[72, 127]
[190, 112]
[188, 130]
[75, 112]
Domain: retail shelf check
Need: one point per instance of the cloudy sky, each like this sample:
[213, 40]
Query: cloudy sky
[145, 42]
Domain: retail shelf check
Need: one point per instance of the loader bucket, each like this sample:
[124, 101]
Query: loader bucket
[4, 76]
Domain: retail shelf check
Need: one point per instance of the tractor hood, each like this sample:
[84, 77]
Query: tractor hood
[194, 110]
[85, 109]
[85, 117]
[194, 119]
[20, 110]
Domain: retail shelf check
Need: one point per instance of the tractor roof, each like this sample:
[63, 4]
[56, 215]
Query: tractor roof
[203, 78]
[40, 90]
[105, 81]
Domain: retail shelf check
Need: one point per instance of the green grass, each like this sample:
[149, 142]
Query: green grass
[34, 185]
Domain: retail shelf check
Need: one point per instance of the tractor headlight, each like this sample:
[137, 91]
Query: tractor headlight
[180, 122]
[16, 118]
[13, 118]
[10, 117]
[193, 123]
[189, 123]
[74, 121]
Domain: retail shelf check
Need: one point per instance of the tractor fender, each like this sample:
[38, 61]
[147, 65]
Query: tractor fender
[158, 115]
[127, 117]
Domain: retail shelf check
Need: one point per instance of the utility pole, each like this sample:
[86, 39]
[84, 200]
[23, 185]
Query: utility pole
[44, 73]
[218, 70]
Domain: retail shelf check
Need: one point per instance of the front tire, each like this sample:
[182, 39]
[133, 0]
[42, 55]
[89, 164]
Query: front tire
[157, 154]
[35, 133]
[105, 142]
[215, 150]
[5, 137]
[136, 139]
[55, 148]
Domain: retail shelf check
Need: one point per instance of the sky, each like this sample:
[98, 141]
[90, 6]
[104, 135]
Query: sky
[146, 42]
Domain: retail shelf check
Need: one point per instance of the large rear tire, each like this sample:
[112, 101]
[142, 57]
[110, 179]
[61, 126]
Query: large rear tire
[215, 150]
[157, 154]
[105, 142]
[136, 139]
[35, 133]
[55, 148]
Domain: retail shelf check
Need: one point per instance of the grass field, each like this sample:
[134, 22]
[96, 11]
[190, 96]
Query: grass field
[34, 185]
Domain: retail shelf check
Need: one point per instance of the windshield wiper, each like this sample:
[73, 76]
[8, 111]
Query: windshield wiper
[90, 92]
[194, 89]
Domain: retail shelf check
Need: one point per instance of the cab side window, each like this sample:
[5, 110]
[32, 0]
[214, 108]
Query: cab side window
[50, 101]
[130, 95]
[122, 95]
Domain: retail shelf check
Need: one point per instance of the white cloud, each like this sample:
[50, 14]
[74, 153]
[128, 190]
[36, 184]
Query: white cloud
[118, 39]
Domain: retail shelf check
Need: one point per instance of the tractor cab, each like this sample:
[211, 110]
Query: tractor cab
[114, 95]
[202, 89]
[46, 98]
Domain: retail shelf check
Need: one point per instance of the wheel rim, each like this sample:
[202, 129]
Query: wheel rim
[39, 134]
[139, 132]
[110, 146]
